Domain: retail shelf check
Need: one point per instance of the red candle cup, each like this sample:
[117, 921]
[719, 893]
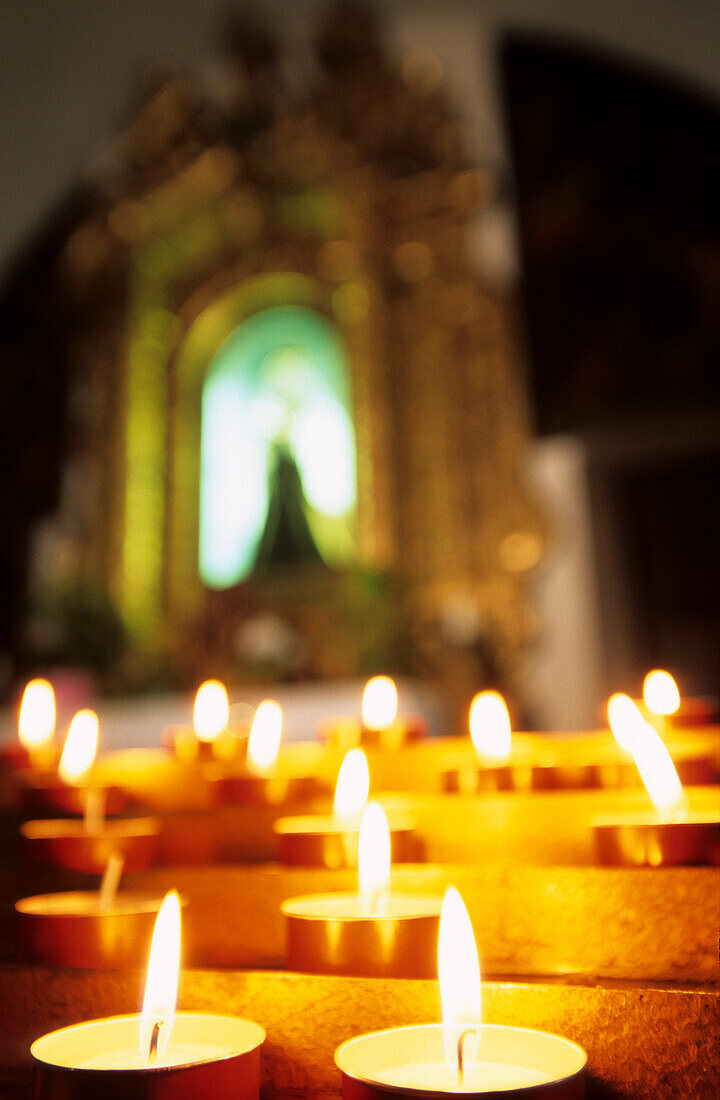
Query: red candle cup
[344, 934]
[76, 929]
[69, 844]
[411, 1062]
[207, 1055]
[186, 746]
[369, 933]
[325, 841]
[243, 788]
[158, 1054]
[44, 794]
[346, 733]
[646, 840]
[461, 1056]
[566, 775]
[668, 833]
[18, 758]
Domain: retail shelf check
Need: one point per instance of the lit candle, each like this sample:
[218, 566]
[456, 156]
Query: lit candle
[159, 1052]
[666, 708]
[668, 833]
[73, 790]
[212, 735]
[262, 780]
[94, 929]
[331, 840]
[69, 843]
[380, 725]
[35, 748]
[501, 764]
[373, 932]
[461, 1056]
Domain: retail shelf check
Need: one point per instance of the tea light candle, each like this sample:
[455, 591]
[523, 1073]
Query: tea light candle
[35, 749]
[159, 1053]
[371, 933]
[410, 1061]
[461, 1056]
[499, 765]
[668, 834]
[380, 726]
[211, 736]
[71, 790]
[71, 844]
[666, 708]
[331, 840]
[98, 930]
[261, 782]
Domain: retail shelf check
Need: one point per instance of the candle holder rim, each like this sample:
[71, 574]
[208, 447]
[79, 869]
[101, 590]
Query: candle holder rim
[258, 1039]
[72, 826]
[409, 1090]
[145, 902]
[643, 819]
[328, 825]
[286, 906]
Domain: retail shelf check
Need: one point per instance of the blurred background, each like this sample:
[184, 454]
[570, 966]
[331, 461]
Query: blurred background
[342, 338]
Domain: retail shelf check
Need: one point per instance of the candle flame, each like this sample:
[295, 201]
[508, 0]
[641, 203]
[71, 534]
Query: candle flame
[649, 752]
[373, 852]
[626, 721]
[658, 773]
[490, 726]
[459, 975]
[212, 710]
[353, 785]
[80, 748]
[264, 741]
[379, 703]
[660, 692]
[36, 723]
[162, 981]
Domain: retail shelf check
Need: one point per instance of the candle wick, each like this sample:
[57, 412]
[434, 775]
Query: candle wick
[464, 1035]
[111, 880]
[154, 1040]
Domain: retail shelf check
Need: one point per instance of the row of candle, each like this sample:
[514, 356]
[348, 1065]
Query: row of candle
[687, 838]
[669, 835]
[330, 933]
[190, 1054]
[213, 736]
[220, 1056]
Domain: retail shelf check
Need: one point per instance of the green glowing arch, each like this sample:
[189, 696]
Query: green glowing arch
[278, 381]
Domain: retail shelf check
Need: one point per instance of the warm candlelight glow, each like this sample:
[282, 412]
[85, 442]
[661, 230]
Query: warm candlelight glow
[490, 726]
[459, 975]
[212, 710]
[373, 852]
[80, 747]
[353, 785]
[158, 1011]
[658, 773]
[649, 752]
[264, 742]
[36, 723]
[626, 721]
[379, 703]
[660, 692]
